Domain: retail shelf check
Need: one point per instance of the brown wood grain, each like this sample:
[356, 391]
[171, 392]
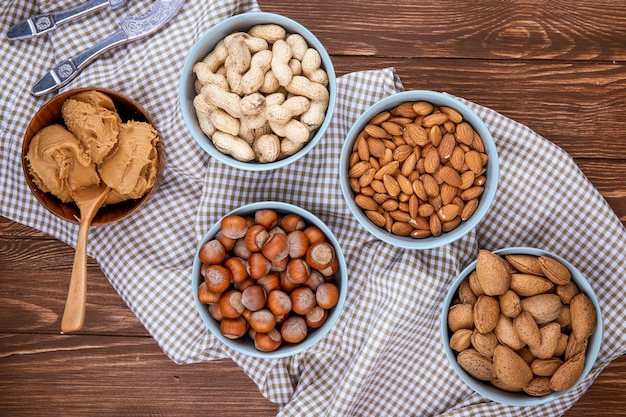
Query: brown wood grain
[485, 30]
[557, 67]
[54, 375]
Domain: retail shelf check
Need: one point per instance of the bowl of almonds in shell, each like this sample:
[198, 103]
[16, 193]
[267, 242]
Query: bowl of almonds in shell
[419, 169]
[521, 326]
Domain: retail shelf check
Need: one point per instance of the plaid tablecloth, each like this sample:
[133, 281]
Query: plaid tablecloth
[384, 356]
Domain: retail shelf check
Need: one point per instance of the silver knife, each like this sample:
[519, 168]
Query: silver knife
[131, 28]
[44, 23]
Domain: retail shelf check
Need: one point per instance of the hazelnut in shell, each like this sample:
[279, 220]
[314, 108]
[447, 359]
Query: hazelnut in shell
[279, 302]
[207, 297]
[266, 217]
[217, 278]
[234, 226]
[255, 238]
[314, 234]
[291, 222]
[269, 282]
[262, 320]
[276, 248]
[320, 255]
[294, 329]
[297, 271]
[302, 300]
[212, 252]
[316, 317]
[238, 269]
[298, 243]
[267, 342]
[327, 295]
[258, 265]
[253, 297]
[230, 304]
[233, 328]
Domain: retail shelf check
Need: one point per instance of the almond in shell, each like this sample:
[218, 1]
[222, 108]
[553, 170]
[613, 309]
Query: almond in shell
[527, 329]
[461, 339]
[486, 313]
[510, 368]
[476, 364]
[506, 334]
[492, 273]
[538, 386]
[545, 367]
[485, 343]
[554, 270]
[460, 316]
[510, 304]
[526, 285]
[543, 307]
[567, 374]
[550, 335]
[504, 387]
[583, 316]
[526, 264]
[466, 295]
[567, 292]
[574, 347]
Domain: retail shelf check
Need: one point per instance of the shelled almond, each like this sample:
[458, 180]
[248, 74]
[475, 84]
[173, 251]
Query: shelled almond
[530, 334]
[418, 170]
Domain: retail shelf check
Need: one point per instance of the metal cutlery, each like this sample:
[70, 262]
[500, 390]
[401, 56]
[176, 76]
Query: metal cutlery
[43, 23]
[131, 29]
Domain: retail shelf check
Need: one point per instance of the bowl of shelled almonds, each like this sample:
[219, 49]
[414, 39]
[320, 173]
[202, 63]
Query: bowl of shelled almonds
[419, 169]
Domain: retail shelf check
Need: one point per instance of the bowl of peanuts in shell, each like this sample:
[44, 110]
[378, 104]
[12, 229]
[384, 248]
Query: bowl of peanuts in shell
[521, 326]
[419, 169]
[269, 279]
[257, 91]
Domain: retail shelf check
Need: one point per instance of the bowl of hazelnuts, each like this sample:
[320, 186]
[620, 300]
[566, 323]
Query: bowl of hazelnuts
[269, 279]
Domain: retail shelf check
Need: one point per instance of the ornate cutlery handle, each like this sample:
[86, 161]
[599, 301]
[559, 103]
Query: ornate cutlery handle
[43, 23]
[65, 72]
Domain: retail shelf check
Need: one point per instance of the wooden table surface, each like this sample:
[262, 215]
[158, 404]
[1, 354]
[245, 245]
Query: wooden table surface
[558, 67]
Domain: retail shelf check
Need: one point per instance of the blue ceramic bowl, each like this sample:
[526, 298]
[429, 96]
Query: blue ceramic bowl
[245, 344]
[206, 43]
[520, 398]
[492, 173]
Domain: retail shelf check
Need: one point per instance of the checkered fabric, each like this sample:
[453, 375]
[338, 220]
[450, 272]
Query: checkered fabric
[384, 357]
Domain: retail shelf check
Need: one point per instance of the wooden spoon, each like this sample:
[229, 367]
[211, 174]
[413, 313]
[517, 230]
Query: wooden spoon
[88, 200]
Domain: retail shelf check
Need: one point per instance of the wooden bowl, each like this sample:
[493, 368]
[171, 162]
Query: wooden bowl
[50, 114]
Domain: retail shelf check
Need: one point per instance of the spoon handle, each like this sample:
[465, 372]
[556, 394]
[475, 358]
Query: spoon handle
[74, 313]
